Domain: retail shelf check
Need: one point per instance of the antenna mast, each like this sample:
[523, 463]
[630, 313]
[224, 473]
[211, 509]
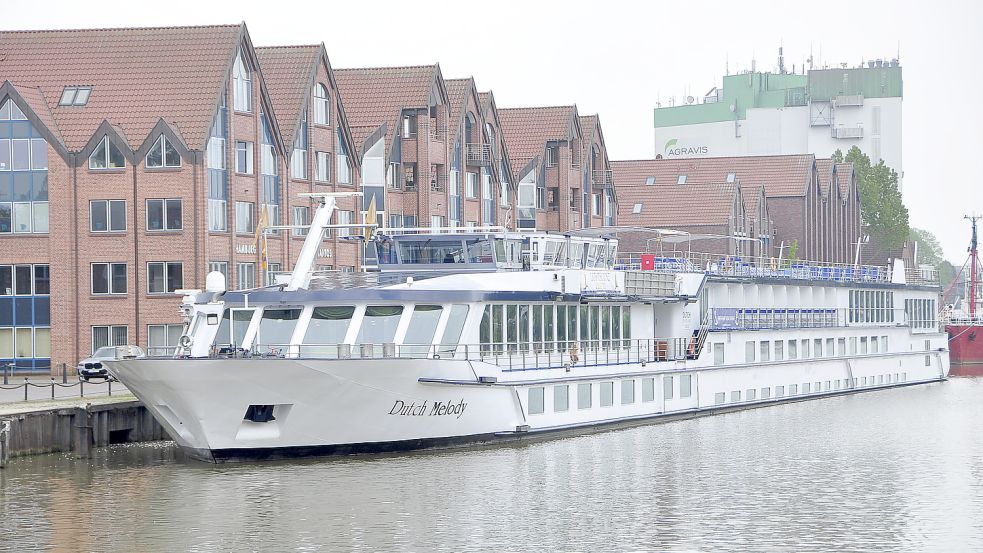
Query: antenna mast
[973, 262]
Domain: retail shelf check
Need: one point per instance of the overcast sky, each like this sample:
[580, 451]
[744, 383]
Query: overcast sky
[616, 58]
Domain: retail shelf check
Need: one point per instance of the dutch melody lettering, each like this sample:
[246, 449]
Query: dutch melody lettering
[438, 409]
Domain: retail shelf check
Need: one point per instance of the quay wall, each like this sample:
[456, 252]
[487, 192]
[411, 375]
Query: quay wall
[76, 429]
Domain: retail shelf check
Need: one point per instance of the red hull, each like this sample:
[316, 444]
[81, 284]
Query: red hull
[965, 349]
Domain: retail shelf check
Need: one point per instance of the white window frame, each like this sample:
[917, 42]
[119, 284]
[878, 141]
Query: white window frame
[322, 167]
[636, 209]
[165, 265]
[162, 141]
[247, 149]
[111, 334]
[109, 220]
[109, 279]
[322, 105]
[106, 143]
[164, 204]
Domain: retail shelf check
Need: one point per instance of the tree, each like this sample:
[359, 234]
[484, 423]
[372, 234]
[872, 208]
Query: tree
[930, 253]
[883, 212]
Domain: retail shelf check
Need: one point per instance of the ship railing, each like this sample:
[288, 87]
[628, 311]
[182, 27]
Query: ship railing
[750, 266]
[507, 355]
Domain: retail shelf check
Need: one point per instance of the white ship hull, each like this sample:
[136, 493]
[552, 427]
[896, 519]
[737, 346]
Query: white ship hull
[371, 405]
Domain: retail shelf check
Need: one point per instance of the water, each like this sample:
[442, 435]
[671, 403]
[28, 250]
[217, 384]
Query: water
[895, 470]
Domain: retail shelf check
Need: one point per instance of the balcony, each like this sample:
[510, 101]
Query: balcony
[850, 100]
[479, 155]
[603, 179]
[847, 132]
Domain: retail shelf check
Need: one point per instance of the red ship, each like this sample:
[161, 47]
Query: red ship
[964, 324]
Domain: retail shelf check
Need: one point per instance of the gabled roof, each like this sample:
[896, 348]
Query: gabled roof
[781, 175]
[137, 75]
[844, 174]
[289, 73]
[377, 95]
[677, 206]
[824, 172]
[753, 195]
[588, 124]
[457, 97]
[526, 130]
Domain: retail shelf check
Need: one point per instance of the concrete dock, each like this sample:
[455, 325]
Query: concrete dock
[75, 425]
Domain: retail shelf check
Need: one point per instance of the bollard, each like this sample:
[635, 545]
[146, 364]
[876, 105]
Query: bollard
[110, 383]
[81, 384]
[52, 387]
[64, 373]
[25, 388]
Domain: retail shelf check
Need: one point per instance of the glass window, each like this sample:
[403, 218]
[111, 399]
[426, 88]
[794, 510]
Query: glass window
[302, 219]
[243, 89]
[323, 169]
[584, 396]
[5, 154]
[23, 280]
[276, 327]
[322, 105]
[379, 324]
[163, 154]
[39, 154]
[344, 166]
[164, 277]
[648, 389]
[6, 280]
[536, 400]
[719, 398]
[107, 215]
[244, 157]
[163, 337]
[667, 387]
[75, 96]
[627, 392]
[765, 351]
[246, 275]
[735, 396]
[749, 351]
[108, 278]
[164, 214]
[607, 394]
[328, 327]
[561, 398]
[21, 155]
[232, 329]
[420, 332]
[42, 280]
[455, 325]
[686, 385]
[244, 218]
[106, 156]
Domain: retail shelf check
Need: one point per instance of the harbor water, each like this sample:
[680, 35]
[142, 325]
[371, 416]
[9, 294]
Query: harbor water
[892, 470]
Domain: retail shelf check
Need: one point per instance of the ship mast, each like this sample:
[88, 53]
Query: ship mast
[973, 263]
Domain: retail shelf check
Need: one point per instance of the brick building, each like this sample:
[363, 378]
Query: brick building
[823, 220]
[137, 161]
[556, 169]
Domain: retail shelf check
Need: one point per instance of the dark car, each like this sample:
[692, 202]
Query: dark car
[92, 367]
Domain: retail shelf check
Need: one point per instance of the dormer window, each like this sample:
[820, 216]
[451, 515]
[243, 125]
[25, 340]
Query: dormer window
[106, 156]
[75, 96]
[162, 155]
[681, 179]
[649, 180]
[731, 177]
[636, 209]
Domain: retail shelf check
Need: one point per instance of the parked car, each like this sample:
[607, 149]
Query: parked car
[92, 367]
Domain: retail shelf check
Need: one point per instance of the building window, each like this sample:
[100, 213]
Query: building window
[409, 126]
[731, 177]
[298, 160]
[270, 169]
[23, 194]
[537, 400]
[20, 280]
[162, 338]
[108, 278]
[106, 156]
[636, 209]
[595, 201]
[112, 335]
[471, 185]
[164, 214]
[246, 275]
[163, 154]
[681, 179]
[75, 96]
[649, 180]
[344, 166]
[244, 218]
[323, 170]
[243, 85]
[107, 215]
[217, 177]
[322, 105]
[244, 157]
[164, 277]
[551, 156]
[345, 218]
[219, 267]
[300, 219]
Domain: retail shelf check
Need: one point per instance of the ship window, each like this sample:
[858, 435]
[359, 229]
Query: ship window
[779, 353]
[719, 397]
[480, 251]
[327, 329]
[686, 385]
[584, 396]
[607, 394]
[817, 347]
[648, 389]
[765, 351]
[232, 329]
[718, 353]
[841, 346]
[379, 324]
[561, 398]
[454, 327]
[807, 388]
[805, 348]
[735, 396]
[829, 347]
[751, 394]
[873, 344]
[423, 325]
[792, 351]
[430, 251]
[817, 387]
[276, 328]
[863, 344]
[667, 387]
[765, 393]
[793, 389]
[779, 391]
[536, 401]
[627, 392]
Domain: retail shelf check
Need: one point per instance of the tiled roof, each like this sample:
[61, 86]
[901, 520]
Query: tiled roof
[526, 130]
[377, 95]
[484, 98]
[287, 71]
[824, 172]
[587, 124]
[457, 90]
[844, 173]
[676, 206]
[751, 195]
[781, 175]
[35, 98]
[138, 76]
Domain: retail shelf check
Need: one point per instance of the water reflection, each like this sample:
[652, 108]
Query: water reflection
[885, 471]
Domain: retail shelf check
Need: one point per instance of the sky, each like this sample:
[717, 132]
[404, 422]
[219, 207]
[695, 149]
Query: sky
[617, 58]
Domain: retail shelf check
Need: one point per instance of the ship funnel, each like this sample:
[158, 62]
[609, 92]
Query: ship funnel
[215, 282]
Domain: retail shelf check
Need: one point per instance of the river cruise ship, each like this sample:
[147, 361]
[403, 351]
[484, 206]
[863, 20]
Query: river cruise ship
[467, 336]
